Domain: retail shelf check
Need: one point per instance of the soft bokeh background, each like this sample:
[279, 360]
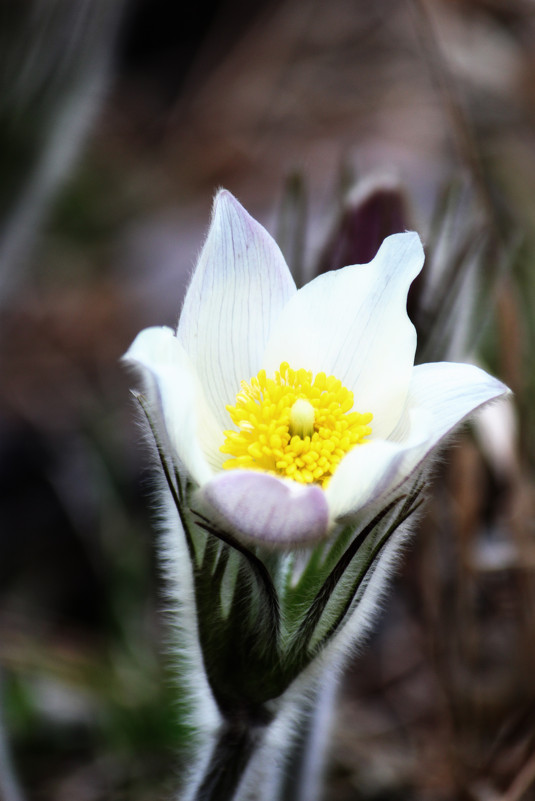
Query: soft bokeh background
[118, 122]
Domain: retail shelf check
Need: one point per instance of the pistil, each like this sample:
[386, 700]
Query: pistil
[302, 418]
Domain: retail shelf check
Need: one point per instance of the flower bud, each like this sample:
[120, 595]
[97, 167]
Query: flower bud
[373, 210]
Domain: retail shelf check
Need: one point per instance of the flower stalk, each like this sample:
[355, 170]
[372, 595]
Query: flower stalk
[235, 745]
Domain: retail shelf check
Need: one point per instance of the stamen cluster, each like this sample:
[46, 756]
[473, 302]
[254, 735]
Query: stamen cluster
[265, 440]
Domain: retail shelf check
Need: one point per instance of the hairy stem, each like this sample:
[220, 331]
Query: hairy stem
[303, 776]
[235, 745]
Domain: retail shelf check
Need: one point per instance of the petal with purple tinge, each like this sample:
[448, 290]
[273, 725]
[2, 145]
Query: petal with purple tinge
[262, 509]
[238, 289]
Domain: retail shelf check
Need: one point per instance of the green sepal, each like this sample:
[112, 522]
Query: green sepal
[339, 576]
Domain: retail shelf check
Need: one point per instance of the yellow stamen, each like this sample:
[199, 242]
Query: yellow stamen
[294, 425]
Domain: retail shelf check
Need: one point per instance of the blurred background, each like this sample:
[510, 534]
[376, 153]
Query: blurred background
[334, 124]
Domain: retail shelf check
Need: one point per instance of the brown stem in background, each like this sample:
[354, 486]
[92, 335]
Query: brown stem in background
[522, 782]
[462, 129]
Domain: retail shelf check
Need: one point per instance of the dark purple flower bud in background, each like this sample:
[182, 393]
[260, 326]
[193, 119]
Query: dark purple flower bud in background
[371, 212]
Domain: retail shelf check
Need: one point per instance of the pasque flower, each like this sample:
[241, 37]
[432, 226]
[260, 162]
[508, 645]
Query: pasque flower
[292, 411]
[285, 418]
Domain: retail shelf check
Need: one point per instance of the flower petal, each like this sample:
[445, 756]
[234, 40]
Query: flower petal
[373, 469]
[440, 396]
[265, 510]
[238, 290]
[450, 392]
[171, 386]
[353, 324]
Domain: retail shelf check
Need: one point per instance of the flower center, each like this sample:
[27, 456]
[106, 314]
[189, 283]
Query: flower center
[294, 425]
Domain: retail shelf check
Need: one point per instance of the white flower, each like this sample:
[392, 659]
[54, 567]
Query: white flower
[242, 315]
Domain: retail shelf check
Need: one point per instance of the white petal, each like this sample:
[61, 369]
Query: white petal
[374, 468]
[238, 290]
[353, 324]
[440, 396]
[262, 509]
[450, 392]
[171, 386]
